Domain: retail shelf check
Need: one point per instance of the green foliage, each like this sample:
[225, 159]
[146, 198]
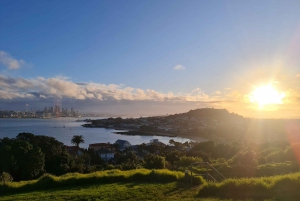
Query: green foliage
[57, 159]
[186, 161]
[5, 177]
[21, 159]
[247, 158]
[154, 161]
[219, 162]
[77, 139]
[173, 156]
[48, 181]
[268, 151]
[271, 169]
[283, 186]
[131, 191]
[291, 153]
[128, 160]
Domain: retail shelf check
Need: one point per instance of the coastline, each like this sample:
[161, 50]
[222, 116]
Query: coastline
[145, 133]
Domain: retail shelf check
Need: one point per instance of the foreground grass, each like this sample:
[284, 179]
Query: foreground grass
[118, 191]
[102, 177]
[281, 187]
[151, 185]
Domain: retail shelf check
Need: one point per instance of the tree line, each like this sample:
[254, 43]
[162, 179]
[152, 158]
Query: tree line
[29, 156]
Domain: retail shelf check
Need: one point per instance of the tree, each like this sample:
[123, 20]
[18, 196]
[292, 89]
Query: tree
[154, 161]
[247, 158]
[57, 158]
[77, 139]
[21, 159]
[173, 156]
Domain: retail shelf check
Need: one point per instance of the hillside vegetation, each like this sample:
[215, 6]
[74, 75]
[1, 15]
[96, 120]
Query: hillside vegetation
[48, 181]
[281, 187]
[150, 185]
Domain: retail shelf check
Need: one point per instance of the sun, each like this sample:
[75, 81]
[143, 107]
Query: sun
[266, 95]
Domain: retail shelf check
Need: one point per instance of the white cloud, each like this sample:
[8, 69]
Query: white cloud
[179, 67]
[10, 62]
[62, 87]
[298, 75]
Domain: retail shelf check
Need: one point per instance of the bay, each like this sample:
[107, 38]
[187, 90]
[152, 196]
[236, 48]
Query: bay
[63, 129]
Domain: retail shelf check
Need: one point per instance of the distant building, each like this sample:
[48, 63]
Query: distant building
[123, 144]
[97, 146]
[105, 154]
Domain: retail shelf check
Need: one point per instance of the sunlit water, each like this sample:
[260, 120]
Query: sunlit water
[63, 129]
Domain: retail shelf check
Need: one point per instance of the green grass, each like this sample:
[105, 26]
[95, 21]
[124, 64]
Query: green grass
[102, 177]
[117, 191]
[281, 187]
[151, 185]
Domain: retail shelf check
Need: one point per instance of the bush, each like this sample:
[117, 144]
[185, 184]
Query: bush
[186, 161]
[154, 161]
[6, 177]
[248, 158]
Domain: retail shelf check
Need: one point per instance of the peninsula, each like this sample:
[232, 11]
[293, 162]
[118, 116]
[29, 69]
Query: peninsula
[193, 125]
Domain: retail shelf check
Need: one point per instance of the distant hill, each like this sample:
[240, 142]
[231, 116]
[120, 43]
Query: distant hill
[211, 113]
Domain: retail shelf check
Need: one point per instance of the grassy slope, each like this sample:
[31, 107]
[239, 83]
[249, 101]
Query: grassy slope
[117, 191]
[150, 185]
[280, 187]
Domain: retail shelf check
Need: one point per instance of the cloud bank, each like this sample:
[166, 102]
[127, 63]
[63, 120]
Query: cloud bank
[62, 87]
[18, 93]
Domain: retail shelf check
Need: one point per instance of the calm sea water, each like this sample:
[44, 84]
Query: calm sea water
[63, 129]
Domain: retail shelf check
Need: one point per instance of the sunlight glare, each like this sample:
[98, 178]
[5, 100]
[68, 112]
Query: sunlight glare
[266, 95]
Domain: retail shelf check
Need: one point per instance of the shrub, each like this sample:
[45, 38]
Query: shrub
[248, 158]
[154, 161]
[6, 177]
[186, 161]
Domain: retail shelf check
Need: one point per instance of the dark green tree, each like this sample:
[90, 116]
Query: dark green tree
[21, 159]
[57, 158]
[77, 140]
[154, 161]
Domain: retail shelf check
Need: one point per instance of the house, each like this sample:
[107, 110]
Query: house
[156, 141]
[123, 144]
[105, 154]
[74, 150]
[97, 146]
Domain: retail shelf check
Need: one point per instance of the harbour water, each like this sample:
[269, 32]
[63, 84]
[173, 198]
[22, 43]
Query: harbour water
[63, 129]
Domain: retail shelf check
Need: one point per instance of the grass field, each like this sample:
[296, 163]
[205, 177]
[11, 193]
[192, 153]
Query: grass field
[151, 185]
[118, 191]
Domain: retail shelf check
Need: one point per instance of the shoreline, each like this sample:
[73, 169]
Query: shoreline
[145, 133]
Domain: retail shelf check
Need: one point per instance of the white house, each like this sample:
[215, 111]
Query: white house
[105, 154]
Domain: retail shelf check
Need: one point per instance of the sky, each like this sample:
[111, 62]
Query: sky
[150, 57]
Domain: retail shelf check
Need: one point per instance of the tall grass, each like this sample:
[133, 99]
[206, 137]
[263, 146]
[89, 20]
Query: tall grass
[48, 181]
[281, 186]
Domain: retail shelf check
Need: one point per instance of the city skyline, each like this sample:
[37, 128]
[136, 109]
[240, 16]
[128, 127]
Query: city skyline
[49, 112]
[151, 57]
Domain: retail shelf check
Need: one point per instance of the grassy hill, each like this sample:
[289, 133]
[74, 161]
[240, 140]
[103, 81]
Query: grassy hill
[117, 191]
[150, 185]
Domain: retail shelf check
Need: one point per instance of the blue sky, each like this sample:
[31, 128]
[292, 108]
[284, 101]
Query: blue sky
[222, 48]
